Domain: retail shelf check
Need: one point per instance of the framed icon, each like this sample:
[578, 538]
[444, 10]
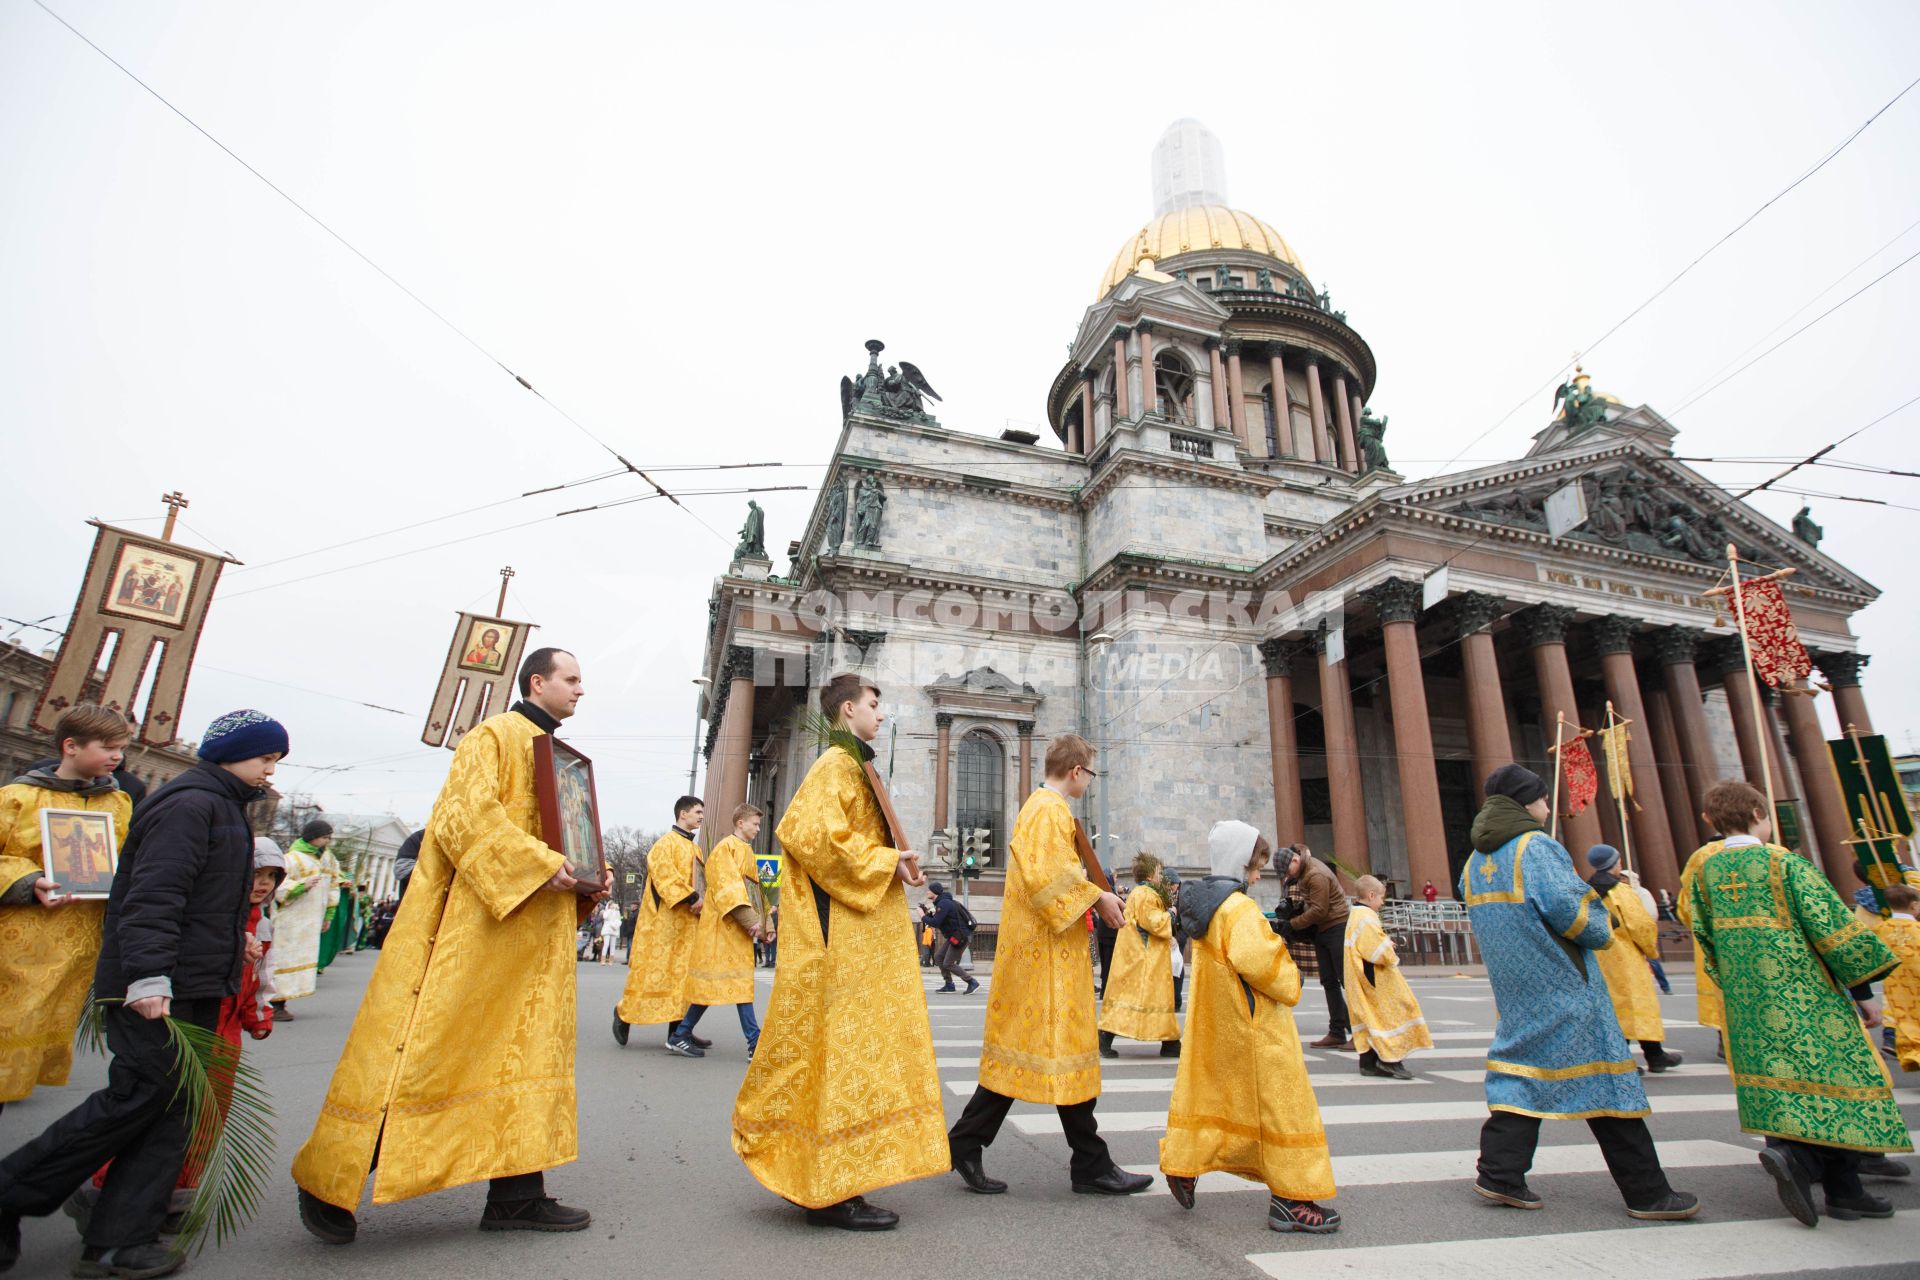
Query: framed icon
[152, 582]
[80, 850]
[569, 808]
[487, 646]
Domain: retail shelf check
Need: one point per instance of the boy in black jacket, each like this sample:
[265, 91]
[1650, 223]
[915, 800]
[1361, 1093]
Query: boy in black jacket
[172, 945]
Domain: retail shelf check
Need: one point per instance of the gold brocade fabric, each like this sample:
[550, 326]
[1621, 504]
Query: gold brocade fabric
[297, 916]
[662, 947]
[1241, 1100]
[1623, 963]
[1710, 1010]
[842, 1096]
[1138, 1003]
[46, 957]
[1386, 1016]
[721, 971]
[1040, 1043]
[1902, 989]
[463, 1045]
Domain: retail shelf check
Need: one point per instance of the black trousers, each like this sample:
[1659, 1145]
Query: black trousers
[1507, 1142]
[1328, 946]
[1103, 943]
[1837, 1171]
[136, 1122]
[980, 1123]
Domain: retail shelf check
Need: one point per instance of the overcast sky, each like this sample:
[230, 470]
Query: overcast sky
[680, 224]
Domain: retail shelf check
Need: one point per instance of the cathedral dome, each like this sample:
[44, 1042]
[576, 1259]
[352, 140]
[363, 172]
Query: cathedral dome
[1197, 229]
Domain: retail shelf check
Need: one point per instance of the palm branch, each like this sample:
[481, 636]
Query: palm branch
[825, 733]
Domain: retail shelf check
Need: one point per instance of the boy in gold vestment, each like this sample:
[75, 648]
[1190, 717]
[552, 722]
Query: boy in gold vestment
[1387, 1022]
[721, 971]
[663, 932]
[1138, 1000]
[1040, 1043]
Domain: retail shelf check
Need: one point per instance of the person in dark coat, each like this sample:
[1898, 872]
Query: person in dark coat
[952, 929]
[172, 945]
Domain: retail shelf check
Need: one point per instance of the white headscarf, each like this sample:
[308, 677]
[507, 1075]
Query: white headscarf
[1230, 848]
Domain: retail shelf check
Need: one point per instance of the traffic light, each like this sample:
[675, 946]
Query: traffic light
[976, 850]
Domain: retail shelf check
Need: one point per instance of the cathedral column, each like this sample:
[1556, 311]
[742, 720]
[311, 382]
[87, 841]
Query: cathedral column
[1359, 409]
[1122, 407]
[1222, 419]
[1087, 432]
[1731, 665]
[1673, 783]
[1654, 855]
[942, 741]
[1340, 403]
[1544, 627]
[1237, 395]
[1317, 410]
[1026, 759]
[1289, 817]
[1675, 646]
[1825, 805]
[1842, 671]
[736, 739]
[1487, 735]
[1149, 380]
[1397, 600]
[1282, 413]
[1343, 760]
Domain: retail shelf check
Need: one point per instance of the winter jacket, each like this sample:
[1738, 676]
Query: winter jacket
[177, 914]
[1325, 905]
[950, 919]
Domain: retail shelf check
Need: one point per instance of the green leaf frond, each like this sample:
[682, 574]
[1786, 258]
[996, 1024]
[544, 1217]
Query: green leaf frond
[825, 733]
[229, 1117]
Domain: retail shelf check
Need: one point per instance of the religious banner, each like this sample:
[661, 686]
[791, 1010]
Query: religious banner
[1613, 745]
[1774, 642]
[141, 597]
[1583, 781]
[477, 680]
[1870, 785]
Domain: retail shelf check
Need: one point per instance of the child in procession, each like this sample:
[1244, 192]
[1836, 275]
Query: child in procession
[1387, 1023]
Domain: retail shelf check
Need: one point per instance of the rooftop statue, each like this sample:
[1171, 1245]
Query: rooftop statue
[1372, 435]
[900, 392]
[1584, 408]
[1805, 529]
[753, 534]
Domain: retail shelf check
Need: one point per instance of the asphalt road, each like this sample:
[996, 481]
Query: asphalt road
[670, 1199]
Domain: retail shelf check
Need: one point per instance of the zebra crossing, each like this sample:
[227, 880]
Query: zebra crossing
[1404, 1155]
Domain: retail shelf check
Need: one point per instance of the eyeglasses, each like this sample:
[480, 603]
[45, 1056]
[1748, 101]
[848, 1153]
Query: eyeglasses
[1091, 773]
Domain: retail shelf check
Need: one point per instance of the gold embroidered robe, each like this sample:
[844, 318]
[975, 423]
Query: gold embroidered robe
[1386, 1017]
[1623, 963]
[842, 1096]
[1040, 1043]
[1902, 989]
[46, 957]
[1710, 1009]
[1241, 1099]
[1139, 999]
[463, 1046]
[721, 971]
[662, 948]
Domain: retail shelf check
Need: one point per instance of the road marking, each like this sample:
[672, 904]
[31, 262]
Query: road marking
[1164, 1084]
[1697, 1251]
[1394, 1168]
[1684, 1069]
[1045, 1122]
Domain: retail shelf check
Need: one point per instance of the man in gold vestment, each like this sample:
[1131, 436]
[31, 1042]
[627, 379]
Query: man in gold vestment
[663, 935]
[459, 1065]
[1040, 1042]
[843, 1096]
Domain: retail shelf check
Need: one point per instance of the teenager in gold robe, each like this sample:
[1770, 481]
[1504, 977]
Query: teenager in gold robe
[1242, 1103]
[459, 1066]
[1039, 1044]
[1623, 962]
[843, 1096]
[1901, 932]
[663, 933]
[1138, 1001]
[1387, 1022]
[721, 971]
[1709, 1007]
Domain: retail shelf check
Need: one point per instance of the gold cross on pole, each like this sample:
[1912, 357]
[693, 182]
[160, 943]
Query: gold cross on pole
[176, 503]
[505, 575]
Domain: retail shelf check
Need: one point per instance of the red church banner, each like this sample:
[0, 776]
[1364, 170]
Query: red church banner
[1778, 656]
[1583, 782]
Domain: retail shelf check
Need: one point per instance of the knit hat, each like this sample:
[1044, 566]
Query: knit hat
[242, 735]
[315, 828]
[1169, 877]
[1230, 847]
[1521, 785]
[1602, 857]
[1866, 900]
[935, 888]
[267, 857]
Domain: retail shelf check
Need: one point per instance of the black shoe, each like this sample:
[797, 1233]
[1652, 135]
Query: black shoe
[1397, 1070]
[1665, 1062]
[976, 1178]
[1853, 1208]
[1301, 1215]
[1181, 1188]
[1375, 1069]
[329, 1222]
[1115, 1182]
[854, 1215]
[1520, 1197]
[1671, 1207]
[619, 1029]
[973, 985]
[947, 990]
[1106, 1045]
[1793, 1183]
[698, 1043]
[1884, 1167]
[129, 1262]
[9, 1240]
[1169, 1048]
[541, 1214]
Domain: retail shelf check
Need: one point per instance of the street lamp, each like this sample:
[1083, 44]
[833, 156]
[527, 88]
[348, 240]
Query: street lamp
[701, 684]
[1098, 642]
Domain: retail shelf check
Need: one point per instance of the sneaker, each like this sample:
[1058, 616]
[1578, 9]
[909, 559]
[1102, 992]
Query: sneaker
[1672, 1207]
[972, 986]
[619, 1030]
[949, 989]
[1853, 1208]
[698, 1043]
[1520, 1197]
[1301, 1215]
[543, 1214]
[128, 1262]
[329, 1222]
[685, 1049]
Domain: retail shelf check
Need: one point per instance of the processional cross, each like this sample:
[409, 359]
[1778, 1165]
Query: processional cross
[176, 503]
[506, 575]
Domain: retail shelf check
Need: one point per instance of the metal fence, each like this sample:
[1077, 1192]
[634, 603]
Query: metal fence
[1430, 932]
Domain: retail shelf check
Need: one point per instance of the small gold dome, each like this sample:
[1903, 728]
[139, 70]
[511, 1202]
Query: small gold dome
[1195, 230]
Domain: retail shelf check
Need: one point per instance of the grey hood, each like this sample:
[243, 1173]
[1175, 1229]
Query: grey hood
[1201, 899]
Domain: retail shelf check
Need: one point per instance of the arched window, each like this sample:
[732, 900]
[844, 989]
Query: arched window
[981, 793]
[1269, 411]
[1172, 387]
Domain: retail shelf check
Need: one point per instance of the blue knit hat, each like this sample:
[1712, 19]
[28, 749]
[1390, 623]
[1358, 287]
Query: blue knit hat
[1602, 856]
[242, 735]
[1866, 900]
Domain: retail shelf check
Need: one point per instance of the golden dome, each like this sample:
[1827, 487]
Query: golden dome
[1209, 226]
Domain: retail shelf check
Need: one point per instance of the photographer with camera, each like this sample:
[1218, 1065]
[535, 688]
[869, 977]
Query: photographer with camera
[1319, 917]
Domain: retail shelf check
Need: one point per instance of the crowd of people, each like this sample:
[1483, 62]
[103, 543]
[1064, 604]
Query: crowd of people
[841, 1095]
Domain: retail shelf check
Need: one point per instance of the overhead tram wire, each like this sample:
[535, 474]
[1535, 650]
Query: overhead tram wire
[386, 275]
[1658, 293]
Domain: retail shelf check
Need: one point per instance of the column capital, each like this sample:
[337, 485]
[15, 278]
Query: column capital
[1024, 728]
[737, 664]
[1676, 646]
[1396, 599]
[943, 721]
[1611, 634]
[1476, 611]
[1842, 670]
[1143, 326]
[1281, 653]
[1544, 623]
[1231, 347]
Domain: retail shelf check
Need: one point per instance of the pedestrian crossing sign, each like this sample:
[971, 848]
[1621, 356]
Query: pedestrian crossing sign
[768, 866]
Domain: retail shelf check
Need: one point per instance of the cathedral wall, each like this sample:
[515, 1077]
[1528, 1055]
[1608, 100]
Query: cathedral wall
[1186, 519]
